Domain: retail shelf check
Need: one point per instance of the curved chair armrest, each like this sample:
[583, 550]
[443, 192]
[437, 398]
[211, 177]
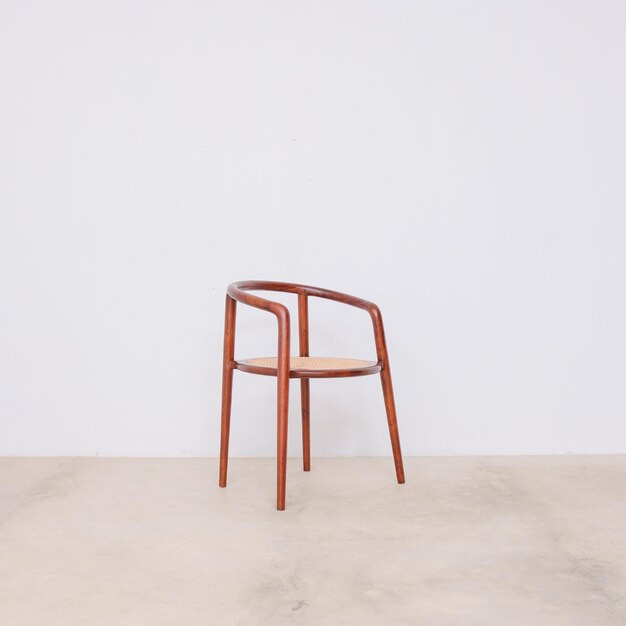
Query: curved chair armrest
[236, 292]
[282, 315]
[359, 303]
[338, 296]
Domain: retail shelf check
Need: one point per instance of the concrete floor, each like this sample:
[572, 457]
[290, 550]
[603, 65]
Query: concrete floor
[467, 541]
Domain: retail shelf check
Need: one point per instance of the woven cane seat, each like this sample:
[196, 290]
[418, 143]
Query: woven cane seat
[312, 363]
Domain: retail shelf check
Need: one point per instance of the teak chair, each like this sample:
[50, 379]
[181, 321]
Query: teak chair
[304, 367]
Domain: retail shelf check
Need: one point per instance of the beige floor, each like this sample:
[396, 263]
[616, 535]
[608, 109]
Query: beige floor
[467, 541]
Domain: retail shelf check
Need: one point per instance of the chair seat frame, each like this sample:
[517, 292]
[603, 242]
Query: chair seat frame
[238, 292]
[301, 372]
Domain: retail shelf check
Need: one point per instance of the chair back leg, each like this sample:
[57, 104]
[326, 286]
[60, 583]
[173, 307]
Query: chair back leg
[303, 333]
[306, 424]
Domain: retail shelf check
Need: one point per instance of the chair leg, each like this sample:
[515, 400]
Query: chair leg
[283, 406]
[281, 456]
[303, 334]
[390, 406]
[306, 424]
[227, 385]
[227, 394]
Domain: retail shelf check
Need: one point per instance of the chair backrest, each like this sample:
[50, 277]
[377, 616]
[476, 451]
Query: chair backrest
[239, 291]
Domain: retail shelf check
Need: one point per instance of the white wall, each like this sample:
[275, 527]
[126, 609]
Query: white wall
[460, 163]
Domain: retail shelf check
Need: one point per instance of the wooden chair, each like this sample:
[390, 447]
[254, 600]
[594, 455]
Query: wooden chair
[303, 367]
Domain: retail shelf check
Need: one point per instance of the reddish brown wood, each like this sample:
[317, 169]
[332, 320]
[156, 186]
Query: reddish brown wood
[305, 392]
[239, 292]
[392, 421]
[283, 407]
[227, 383]
[385, 377]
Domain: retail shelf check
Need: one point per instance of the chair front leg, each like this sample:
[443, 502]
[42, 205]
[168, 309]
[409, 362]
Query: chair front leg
[227, 384]
[283, 407]
[392, 421]
[385, 377]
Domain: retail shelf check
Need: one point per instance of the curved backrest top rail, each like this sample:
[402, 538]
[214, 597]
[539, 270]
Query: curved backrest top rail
[238, 291]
